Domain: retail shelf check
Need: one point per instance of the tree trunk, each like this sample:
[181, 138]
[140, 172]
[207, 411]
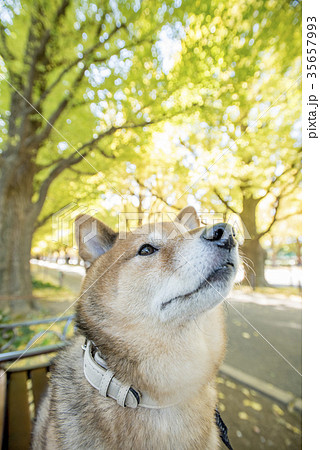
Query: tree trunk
[252, 248]
[17, 220]
[256, 260]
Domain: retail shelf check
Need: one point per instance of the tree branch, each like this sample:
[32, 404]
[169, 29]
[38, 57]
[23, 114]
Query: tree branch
[277, 219]
[113, 129]
[79, 172]
[225, 202]
[154, 194]
[274, 181]
[4, 50]
[75, 158]
[64, 164]
[64, 103]
[41, 222]
[287, 216]
[277, 178]
[86, 147]
[45, 133]
[50, 164]
[41, 48]
[274, 219]
[86, 53]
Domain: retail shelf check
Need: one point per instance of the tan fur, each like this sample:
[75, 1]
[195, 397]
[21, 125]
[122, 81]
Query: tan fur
[172, 353]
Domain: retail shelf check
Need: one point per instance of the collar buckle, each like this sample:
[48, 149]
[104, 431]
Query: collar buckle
[104, 381]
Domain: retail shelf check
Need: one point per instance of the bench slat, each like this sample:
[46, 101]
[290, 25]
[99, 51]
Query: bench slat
[39, 383]
[3, 394]
[19, 423]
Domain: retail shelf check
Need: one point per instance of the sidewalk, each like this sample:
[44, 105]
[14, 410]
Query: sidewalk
[256, 422]
[277, 329]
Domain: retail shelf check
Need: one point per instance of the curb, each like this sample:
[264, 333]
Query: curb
[267, 389]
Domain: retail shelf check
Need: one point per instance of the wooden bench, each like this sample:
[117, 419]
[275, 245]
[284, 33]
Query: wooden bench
[21, 390]
[22, 386]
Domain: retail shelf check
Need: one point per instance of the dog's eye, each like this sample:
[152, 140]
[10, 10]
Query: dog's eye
[146, 249]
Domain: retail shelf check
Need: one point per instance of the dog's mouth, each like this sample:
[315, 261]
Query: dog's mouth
[226, 268]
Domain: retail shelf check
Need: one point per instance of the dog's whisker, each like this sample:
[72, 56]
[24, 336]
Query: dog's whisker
[249, 267]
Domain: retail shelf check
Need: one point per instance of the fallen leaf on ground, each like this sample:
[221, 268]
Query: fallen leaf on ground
[254, 405]
[277, 410]
[243, 415]
[246, 335]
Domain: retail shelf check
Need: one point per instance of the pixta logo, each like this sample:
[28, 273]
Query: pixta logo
[63, 224]
[131, 222]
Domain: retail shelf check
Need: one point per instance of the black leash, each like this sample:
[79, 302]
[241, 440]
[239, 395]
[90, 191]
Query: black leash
[223, 430]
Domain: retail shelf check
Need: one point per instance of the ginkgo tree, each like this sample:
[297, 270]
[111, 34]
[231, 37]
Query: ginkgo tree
[73, 74]
[240, 152]
[85, 87]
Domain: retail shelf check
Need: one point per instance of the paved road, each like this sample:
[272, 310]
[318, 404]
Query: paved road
[279, 321]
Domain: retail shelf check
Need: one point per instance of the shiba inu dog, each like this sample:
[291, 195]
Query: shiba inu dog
[140, 374]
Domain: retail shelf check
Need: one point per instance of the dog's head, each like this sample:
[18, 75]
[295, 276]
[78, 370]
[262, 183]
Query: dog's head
[167, 272]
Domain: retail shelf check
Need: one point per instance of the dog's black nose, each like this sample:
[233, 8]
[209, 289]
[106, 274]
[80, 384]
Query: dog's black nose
[221, 234]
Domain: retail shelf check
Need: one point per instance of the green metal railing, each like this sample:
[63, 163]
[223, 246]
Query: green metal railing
[27, 350]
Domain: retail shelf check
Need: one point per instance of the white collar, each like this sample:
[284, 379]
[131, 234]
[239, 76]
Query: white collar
[101, 378]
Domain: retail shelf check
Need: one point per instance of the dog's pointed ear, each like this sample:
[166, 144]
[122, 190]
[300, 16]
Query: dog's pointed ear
[188, 217]
[93, 237]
